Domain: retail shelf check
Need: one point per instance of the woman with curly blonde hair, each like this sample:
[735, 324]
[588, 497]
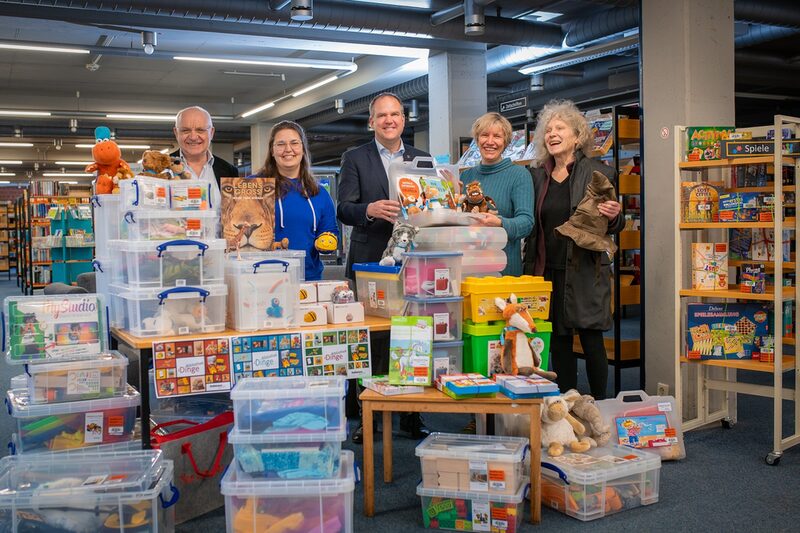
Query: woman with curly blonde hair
[581, 298]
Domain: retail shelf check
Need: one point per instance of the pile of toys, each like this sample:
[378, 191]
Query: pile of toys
[473, 482]
[289, 471]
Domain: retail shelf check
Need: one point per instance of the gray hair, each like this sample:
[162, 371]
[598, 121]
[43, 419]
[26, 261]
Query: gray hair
[193, 108]
[567, 111]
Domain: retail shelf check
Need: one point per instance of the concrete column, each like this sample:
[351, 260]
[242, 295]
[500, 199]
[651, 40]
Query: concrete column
[687, 54]
[259, 137]
[456, 97]
[422, 140]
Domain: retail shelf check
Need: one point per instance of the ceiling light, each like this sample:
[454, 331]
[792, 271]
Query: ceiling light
[581, 56]
[10, 162]
[275, 62]
[338, 105]
[69, 182]
[18, 132]
[37, 48]
[25, 113]
[4, 182]
[7, 174]
[313, 86]
[67, 175]
[541, 16]
[537, 82]
[16, 145]
[121, 146]
[149, 42]
[74, 163]
[258, 109]
[413, 110]
[73, 125]
[302, 10]
[134, 116]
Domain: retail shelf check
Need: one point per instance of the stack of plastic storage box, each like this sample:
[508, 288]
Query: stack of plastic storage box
[289, 472]
[167, 272]
[473, 482]
[120, 491]
[73, 394]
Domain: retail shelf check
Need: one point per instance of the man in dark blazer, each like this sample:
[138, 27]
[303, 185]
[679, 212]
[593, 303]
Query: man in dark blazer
[364, 204]
[363, 187]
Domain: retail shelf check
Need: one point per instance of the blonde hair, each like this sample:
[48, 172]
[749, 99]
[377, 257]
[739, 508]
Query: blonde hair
[567, 111]
[487, 120]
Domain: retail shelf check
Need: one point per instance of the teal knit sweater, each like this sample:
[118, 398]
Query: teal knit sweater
[511, 188]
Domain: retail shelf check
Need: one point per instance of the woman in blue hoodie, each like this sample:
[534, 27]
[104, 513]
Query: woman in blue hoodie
[303, 209]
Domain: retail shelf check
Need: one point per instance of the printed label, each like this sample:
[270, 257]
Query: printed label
[116, 425]
[372, 290]
[494, 352]
[664, 406]
[191, 366]
[83, 382]
[479, 477]
[480, 516]
[93, 428]
[194, 227]
[441, 326]
[497, 480]
[441, 282]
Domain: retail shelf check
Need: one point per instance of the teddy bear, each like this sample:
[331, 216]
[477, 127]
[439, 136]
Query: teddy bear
[585, 411]
[475, 201]
[156, 164]
[559, 428]
[179, 171]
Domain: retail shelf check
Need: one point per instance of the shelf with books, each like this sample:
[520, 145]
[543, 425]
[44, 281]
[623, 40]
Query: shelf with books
[733, 293]
[720, 163]
[746, 364]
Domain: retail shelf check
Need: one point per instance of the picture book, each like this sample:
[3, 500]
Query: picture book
[411, 350]
[259, 356]
[192, 366]
[248, 213]
[602, 129]
[337, 352]
[381, 385]
[54, 327]
[650, 431]
[418, 193]
[726, 330]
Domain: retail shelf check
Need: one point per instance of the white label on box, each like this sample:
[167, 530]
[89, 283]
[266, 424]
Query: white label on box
[372, 290]
[191, 366]
[180, 282]
[83, 382]
[94, 480]
[479, 476]
[265, 360]
[441, 327]
[441, 282]
[480, 516]
[183, 330]
[93, 428]
[494, 351]
[499, 525]
[664, 407]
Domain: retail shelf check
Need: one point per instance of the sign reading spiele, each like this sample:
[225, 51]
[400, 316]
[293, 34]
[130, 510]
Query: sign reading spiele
[192, 366]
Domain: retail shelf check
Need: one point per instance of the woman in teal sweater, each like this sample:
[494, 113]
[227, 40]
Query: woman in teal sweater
[509, 185]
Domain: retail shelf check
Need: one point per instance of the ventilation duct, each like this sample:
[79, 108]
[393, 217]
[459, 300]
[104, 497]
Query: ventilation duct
[783, 13]
[759, 33]
[602, 25]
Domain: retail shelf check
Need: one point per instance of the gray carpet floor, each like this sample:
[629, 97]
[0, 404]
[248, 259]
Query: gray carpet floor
[722, 485]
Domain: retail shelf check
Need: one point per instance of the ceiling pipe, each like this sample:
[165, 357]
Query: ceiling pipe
[602, 25]
[474, 20]
[776, 12]
[761, 33]
[277, 5]
[465, 8]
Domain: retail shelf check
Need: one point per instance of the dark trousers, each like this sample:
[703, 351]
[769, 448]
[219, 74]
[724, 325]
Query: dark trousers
[565, 362]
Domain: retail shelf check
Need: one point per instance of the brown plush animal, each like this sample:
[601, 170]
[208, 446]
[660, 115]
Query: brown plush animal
[476, 202]
[178, 170]
[587, 413]
[156, 164]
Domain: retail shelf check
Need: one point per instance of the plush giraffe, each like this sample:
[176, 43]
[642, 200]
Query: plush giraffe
[518, 356]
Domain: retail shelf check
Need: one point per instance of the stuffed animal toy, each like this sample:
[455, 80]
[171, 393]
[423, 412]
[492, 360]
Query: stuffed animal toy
[402, 241]
[156, 164]
[476, 202]
[326, 243]
[282, 244]
[585, 411]
[108, 163]
[343, 295]
[518, 357]
[559, 428]
[409, 204]
[178, 170]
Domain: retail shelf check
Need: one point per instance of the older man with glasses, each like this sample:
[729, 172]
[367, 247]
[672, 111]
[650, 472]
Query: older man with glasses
[194, 131]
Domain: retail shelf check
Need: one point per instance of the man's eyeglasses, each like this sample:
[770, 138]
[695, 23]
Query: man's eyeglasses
[281, 146]
[185, 132]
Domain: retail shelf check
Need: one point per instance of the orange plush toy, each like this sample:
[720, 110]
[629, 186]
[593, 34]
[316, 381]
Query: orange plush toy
[108, 163]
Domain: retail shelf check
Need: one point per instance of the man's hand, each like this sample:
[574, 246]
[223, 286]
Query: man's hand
[609, 209]
[385, 209]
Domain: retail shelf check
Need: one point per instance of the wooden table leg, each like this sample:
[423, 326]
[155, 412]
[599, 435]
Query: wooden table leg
[387, 447]
[369, 459]
[536, 465]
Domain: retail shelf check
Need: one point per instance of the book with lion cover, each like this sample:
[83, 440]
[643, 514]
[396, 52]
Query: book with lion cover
[248, 213]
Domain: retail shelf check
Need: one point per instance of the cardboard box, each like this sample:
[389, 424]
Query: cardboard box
[752, 278]
[325, 289]
[308, 293]
[704, 142]
[699, 202]
[709, 266]
[311, 315]
[727, 330]
[344, 313]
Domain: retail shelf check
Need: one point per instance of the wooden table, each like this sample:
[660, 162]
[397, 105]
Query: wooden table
[433, 401]
[144, 346]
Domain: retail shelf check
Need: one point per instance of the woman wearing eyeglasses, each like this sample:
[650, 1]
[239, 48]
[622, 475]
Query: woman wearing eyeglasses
[303, 209]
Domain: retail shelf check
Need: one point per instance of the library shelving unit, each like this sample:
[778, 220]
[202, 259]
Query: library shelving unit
[6, 236]
[71, 240]
[707, 389]
[20, 221]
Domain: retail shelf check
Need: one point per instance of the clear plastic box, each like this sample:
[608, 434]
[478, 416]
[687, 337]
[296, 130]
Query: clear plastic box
[41, 328]
[198, 408]
[447, 358]
[126, 446]
[474, 463]
[175, 311]
[175, 263]
[432, 274]
[107, 221]
[379, 288]
[144, 192]
[59, 426]
[262, 294]
[190, 195]
[600, 482]
[473, 511]
[107, 271]
[282, 456]
[161, 225]
[460, 238]
[86, 379]
[446, 313]
[483, 262]
[290, 405]
[319, 506]
[118, 491]
[295, 258]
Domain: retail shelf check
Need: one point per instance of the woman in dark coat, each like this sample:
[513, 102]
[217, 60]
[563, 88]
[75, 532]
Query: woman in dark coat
[581, 299]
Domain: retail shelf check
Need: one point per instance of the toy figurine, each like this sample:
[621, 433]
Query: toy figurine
[108, 164]
[275, 310]
[518, 356]
[401, 241]
[326, 243]
[476, 202]
[343, 295]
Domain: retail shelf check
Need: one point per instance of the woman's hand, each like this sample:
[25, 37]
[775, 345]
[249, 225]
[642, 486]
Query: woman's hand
[609, 209]
[488, 219]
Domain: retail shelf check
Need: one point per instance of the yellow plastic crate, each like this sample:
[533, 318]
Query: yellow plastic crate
[479, 295]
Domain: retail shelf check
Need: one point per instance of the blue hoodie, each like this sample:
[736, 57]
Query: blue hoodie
[302, 220]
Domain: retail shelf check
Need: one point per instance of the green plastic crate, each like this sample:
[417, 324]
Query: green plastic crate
[482, 339]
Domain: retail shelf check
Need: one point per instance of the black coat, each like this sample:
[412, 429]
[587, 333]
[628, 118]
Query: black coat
[221, 168]
[363, 180]
[587, 289]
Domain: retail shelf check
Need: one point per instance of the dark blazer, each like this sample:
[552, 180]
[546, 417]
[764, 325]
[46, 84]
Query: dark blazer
[221, 168]
[363, 180]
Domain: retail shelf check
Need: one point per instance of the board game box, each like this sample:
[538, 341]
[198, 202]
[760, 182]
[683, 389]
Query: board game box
[727, 330]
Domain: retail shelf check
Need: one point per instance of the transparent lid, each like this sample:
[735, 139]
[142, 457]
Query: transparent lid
[108, 359]
[432, 255]
[237, 437]
[123, 446]
[156, 293]
[134, 216]
[447, 344]
[249, 389]
[19, 405]
[236, 483]
[478, 496]
[601, 464]
[173, 245]
[474, 447]
[429, 301]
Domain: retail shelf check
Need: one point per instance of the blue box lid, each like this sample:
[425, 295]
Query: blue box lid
[443, 299]
[376, 267]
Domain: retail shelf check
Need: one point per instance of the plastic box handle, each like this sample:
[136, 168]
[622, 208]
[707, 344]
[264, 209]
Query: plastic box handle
[97, 266]
[356, 470]
[178, 290]
[634, 395]
[182, 242]
[95, 200]
[3, 326]
[423, 162]
[135, 184]
[210, 204]
[129, 218]
[173, 500]
[12, 450]
[285, 264]
[557, 470]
